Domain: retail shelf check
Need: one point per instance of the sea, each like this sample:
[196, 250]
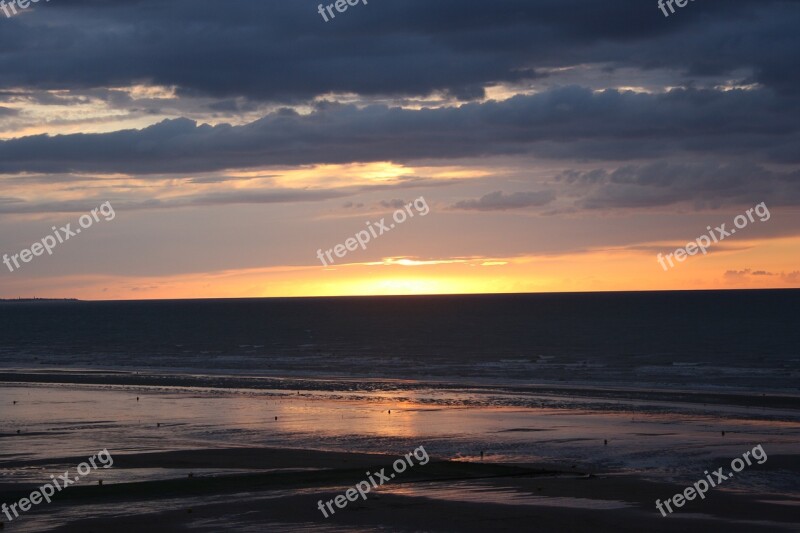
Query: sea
[699, 340]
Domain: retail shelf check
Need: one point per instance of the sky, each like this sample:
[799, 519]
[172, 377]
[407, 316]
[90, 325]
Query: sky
[540, 145]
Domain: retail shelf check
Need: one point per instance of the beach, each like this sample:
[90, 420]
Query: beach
[211, 459]
[448, 496]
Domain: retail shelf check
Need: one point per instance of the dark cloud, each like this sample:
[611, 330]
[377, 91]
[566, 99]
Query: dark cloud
[497, 201]
[701, 184]
[283, 51]
[570, 122]
[244, 56]
[233, 105]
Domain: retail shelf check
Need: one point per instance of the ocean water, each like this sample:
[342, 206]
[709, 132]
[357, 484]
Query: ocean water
[746, 341]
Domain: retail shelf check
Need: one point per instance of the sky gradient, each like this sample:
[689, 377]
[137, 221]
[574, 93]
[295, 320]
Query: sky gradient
[561, 145]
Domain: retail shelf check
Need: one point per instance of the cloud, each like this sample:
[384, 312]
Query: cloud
[497, 201]
[396, 203]
[704, 184]
[743, 275]
[283, 51]
[569, 122]
[274, 196]
[737, 275]
[791, 277]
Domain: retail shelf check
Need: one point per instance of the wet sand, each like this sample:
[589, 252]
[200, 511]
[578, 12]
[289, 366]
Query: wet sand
[262, 459]
[439, 496]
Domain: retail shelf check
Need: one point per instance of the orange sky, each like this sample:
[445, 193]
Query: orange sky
[601, 270]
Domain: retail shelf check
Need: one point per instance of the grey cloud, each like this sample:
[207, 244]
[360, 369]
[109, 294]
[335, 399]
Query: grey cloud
[608, 125]
[392, 204]
[283, 51]
[497, 201]
[708, 184]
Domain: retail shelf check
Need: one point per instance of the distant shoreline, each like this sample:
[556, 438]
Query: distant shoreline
[411, 296]
[23, 300]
